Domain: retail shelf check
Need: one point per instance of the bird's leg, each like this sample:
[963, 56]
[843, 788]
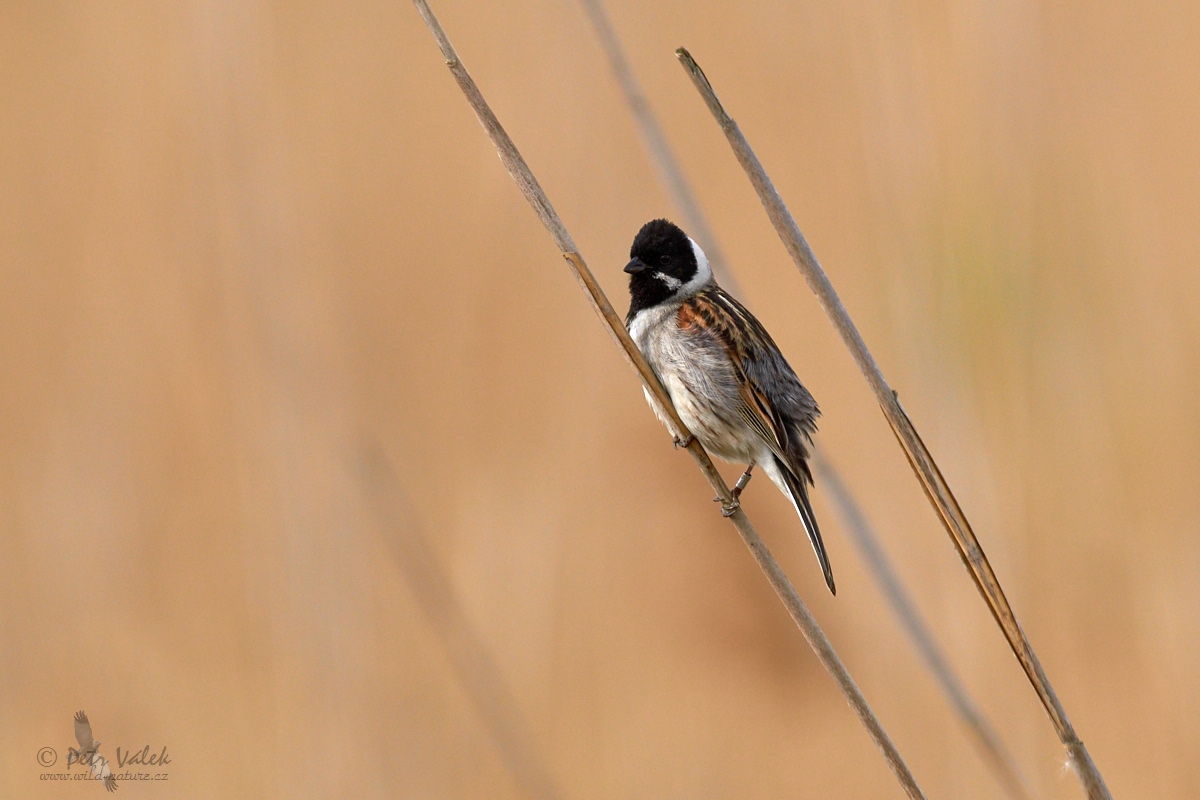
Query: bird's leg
[683, 442]
[736, 491]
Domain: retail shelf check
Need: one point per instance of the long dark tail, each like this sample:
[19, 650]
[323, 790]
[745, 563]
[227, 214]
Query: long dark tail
[799, 492]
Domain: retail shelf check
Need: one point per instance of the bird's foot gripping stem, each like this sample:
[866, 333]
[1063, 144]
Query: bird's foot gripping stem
[683, 442]
[735, 494]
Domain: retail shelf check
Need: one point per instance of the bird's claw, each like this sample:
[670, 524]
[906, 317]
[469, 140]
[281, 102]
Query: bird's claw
[735, 494]
[683, 442]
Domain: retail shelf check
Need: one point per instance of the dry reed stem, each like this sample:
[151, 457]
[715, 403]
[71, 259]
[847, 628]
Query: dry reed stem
[662, 157]
[478, 673]
[919, 457]
[983, 735]
[521, 174]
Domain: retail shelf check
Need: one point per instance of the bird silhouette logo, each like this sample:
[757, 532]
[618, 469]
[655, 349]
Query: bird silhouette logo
[89, 753]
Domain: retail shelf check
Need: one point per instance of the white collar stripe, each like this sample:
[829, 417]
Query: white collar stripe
[703, 275]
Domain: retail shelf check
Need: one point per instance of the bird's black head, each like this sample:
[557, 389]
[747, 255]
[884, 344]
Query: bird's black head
[664, 263]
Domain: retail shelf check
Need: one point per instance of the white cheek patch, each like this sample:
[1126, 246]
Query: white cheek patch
[672, 283]
[703, 275]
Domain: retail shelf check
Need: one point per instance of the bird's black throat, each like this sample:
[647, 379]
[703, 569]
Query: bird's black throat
[646, 291]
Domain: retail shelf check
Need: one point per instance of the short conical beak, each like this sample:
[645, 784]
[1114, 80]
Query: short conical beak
[635, 266]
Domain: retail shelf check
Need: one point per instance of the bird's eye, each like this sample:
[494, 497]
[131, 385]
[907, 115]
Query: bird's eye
[664, 259]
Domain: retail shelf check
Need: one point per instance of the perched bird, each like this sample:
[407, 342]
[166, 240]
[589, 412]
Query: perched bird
[730, 384]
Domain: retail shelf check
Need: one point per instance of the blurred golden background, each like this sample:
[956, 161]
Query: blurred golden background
[246, 243]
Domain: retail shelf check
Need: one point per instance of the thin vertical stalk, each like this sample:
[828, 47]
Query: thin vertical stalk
[983, 735]
[477, 670]
[662, 156]
[525, 180]
[922, 462]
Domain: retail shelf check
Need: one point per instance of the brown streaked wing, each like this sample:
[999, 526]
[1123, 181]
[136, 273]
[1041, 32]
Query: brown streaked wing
[744, 339]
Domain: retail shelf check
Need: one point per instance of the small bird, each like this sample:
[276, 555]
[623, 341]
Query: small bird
[726, 377]
[88, 752]
[83, 734]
